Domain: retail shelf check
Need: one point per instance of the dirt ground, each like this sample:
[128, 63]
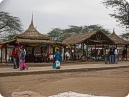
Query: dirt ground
[114, 83]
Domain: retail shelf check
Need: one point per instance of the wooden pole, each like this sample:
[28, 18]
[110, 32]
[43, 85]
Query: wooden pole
[126, 52]
[1, 54]
[53, 52]
[74, 53]
[6, 54]
[83, 48]
[95, 53]
[87, 50]
[64, 52]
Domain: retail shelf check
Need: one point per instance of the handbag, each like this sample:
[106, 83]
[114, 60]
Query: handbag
[57, 64]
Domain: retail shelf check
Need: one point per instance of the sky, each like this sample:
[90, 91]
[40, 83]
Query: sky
[50, 14]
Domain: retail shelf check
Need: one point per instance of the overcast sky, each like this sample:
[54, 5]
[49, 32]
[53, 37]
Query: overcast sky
[49, 14]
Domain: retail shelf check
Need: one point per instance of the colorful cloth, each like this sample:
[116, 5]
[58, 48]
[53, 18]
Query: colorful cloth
[23, 65]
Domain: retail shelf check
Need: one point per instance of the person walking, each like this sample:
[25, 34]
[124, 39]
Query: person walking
[57, 57]
[111, 56]
[116, 55]
[15, 58]
[106, 56]
[21, 59]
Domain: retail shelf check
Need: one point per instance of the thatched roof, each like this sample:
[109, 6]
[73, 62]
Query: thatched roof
[60, 43]
[30, 36]
[31, 33]
[9, 41]
[88, 38]
[117, 39]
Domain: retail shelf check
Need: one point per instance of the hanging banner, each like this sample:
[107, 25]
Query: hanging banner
[4, 46]
[69, 46]
[42, 45]
[53, 46]
[22, 45]
[33, 44]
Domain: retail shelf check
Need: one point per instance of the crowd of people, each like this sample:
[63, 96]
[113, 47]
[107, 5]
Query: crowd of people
[18, 56]
[112, 55]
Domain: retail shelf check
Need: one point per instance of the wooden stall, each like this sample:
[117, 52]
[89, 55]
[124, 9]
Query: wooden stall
[88, 41]
[34, 42]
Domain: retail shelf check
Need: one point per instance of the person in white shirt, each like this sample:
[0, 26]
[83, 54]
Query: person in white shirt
[116, 55]
[67, 55]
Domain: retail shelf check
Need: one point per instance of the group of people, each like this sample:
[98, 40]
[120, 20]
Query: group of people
[18, 56]
[112, 55]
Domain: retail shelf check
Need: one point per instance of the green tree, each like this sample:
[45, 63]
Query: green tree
[98, 27]
[9, 24]
[125, 36]
[121, 11]
[55, 34]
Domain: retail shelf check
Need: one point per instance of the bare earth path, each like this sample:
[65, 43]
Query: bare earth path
[114, 83]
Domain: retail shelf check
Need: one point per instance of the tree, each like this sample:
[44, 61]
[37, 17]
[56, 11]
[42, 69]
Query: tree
[125, 36]
[97, 27]
[121, 12]
[9, 25]
[58, 34]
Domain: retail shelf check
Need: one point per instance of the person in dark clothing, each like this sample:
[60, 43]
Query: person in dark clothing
[124, 54]
[15, 58]
[111, 56]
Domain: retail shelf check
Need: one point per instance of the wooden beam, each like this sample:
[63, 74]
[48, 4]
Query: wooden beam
[98, 40]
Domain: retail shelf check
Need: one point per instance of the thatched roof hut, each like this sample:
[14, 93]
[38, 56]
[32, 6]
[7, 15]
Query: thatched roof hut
[93, 37]
[30, 36]
[117, 39]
